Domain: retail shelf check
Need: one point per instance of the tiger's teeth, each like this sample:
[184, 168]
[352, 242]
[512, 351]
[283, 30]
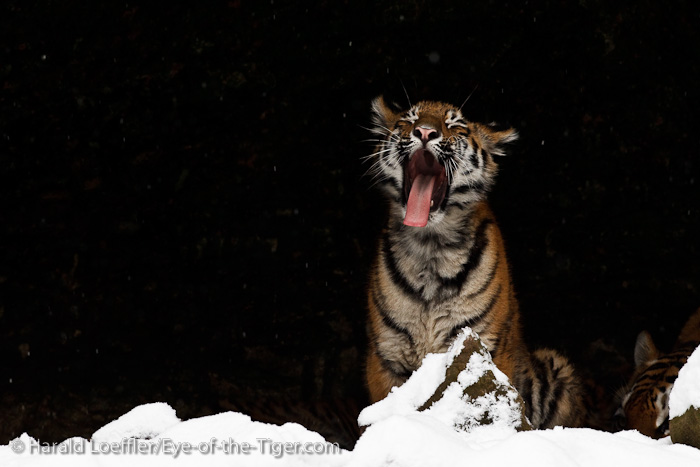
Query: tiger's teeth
[431, 203]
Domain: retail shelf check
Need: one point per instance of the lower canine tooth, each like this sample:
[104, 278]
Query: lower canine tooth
[431, 203]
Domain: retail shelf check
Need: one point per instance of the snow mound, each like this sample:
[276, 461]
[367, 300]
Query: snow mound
[685, 393]
[143, 422]
[432, 420]
[462, 389]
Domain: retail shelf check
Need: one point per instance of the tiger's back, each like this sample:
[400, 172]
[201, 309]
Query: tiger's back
[441, 262]
[644, 402]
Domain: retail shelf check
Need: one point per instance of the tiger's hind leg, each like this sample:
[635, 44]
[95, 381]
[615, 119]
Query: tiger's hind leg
[553, 391]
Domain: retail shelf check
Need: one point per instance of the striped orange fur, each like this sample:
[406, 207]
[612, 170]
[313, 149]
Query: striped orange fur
[644, 402]
[429, 282]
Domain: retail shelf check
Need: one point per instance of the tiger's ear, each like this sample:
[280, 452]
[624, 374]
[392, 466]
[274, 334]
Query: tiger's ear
[645, 351]
[495, 139]
[384, 116]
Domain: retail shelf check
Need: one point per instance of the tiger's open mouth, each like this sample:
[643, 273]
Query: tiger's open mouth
[425, 185]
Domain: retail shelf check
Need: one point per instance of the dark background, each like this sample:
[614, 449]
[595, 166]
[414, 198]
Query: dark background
[184, 216]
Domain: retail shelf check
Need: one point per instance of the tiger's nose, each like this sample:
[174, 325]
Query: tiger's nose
[426, 134]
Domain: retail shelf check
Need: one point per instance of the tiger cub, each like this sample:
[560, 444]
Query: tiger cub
[441, 263]
[644, 403]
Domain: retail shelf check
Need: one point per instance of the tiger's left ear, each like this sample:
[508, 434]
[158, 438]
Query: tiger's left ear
[496, 139]
[383, 116]
[645, 352]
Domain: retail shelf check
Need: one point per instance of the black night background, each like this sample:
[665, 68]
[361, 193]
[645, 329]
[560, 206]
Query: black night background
[184, 216]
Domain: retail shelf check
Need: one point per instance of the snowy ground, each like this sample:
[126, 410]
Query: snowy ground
[398, 435]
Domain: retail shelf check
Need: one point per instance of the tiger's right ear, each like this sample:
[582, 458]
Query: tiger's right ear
[645, 352]
[383, 116]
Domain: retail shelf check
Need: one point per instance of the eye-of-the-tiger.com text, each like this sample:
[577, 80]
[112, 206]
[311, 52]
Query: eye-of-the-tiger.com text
[169, 447]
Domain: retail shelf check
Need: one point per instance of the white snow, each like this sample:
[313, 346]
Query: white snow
[397, 435]
[143, 422]
[222, 439]
[686, 390]
[451, 409]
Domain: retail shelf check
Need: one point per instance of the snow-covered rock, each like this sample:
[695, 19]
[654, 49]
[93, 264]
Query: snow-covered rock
[461, 388]
[143, 422]
[684, 403]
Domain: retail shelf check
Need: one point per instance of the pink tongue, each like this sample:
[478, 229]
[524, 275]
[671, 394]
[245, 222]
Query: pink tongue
[418, 205]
